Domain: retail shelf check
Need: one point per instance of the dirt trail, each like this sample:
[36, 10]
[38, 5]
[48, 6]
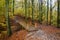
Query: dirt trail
[18, 35]
[43, 32]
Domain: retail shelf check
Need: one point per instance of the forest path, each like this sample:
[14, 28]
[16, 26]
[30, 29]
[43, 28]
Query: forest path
[36, 31]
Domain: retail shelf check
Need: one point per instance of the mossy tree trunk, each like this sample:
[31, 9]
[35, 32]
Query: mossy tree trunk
[7, 18]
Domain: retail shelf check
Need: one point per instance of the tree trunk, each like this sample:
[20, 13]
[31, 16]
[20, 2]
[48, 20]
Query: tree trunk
[7, 18]
[13, 7]
[47, 10]
[58, 14]
[26, 10]
[32, 10]
[39, 12]
[50, 10]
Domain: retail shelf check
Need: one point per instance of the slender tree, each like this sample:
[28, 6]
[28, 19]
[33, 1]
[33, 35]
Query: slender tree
[50, 10]
[22, 3]
[13, 6]
[26, 10]
[58, 14]
[39, 11]
[47, 10]
[32, 10]
[7, 18]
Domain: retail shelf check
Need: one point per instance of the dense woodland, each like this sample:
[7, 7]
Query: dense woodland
[46, 12]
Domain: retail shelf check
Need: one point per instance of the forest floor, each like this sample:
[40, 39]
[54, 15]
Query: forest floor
[36, 31]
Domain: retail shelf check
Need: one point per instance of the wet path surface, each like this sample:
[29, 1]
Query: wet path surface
[41, 35]
[35, 32]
